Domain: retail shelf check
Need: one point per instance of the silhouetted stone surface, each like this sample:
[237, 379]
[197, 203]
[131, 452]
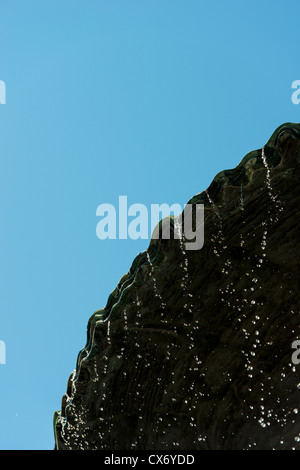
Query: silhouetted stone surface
[193, 350]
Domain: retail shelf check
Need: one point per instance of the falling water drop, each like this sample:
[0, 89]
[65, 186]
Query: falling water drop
[274, 198]
[156, 293]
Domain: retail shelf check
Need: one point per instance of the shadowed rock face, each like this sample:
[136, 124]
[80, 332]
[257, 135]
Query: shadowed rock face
[194, 348]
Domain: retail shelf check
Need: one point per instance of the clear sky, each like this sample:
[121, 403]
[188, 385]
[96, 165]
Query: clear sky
[144, 98]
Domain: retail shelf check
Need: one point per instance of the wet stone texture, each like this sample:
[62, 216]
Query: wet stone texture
[194, 348]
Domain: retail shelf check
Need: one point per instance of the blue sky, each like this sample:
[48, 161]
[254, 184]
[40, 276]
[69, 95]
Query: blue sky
[148, 99]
